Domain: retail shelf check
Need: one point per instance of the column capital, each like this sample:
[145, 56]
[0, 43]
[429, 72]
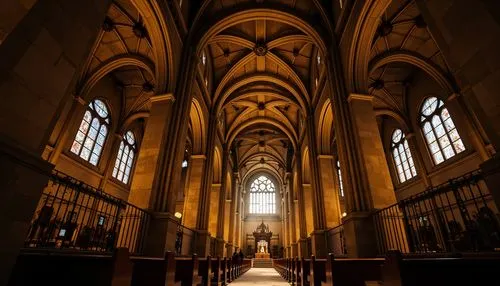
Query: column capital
[162, 98]
[200, 156]
[355, 96]
[330, 157]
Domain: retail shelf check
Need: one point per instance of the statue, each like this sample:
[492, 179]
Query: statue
[262, 249]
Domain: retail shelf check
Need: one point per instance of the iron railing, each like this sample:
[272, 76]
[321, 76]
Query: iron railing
[458, 216]
[74, 215]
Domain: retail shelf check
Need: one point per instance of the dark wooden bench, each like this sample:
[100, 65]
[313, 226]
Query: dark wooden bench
[305, 265]
[154, 271]
[481, 269]
[245, 265]
[70, 268]
[296, 272]
[205, 270]
[186, 271]
[217, 272]
[317, 271]
[353, 271]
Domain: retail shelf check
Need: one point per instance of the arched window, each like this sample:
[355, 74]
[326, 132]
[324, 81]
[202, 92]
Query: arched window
[92, 132]
[339, 174]
[262, 196]
[439, 130]
[125, 158]
[402, 156]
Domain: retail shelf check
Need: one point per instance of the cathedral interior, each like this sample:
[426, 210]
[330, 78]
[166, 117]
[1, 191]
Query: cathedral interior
[279, 129]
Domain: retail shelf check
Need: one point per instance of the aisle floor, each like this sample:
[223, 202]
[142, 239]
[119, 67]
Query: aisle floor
[260, 276]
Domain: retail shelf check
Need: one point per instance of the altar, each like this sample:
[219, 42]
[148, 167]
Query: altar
[262, 237]
[262, 255]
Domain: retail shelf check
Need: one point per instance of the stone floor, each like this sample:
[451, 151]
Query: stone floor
[260, 276]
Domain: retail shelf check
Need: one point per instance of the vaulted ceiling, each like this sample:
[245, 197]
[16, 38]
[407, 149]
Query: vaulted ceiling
[401, 47]
[265, 76]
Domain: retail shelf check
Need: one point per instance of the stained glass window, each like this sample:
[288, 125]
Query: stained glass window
[403, 160]
[91, 134]
[439, 130]
[125, 158]
[339, 174]
[262, 196]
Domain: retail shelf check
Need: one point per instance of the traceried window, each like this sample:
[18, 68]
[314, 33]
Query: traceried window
[339, 174]
[89, 139]
[402, 156]
[439, 130]
[125, 158]
[262, 196]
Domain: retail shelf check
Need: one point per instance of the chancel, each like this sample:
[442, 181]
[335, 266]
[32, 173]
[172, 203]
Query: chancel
[207, 142]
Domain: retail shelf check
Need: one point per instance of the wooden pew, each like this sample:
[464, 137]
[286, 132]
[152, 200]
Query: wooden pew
[154, 271]
[353, 271]
[63, 268]
[246, 265]
[304, 271]
[224, 266]
[296, 272]
[481, 269]
[186, 271]
[317, 271]
[291, 269]
[217, 272]
[281, 266]
[205, 270]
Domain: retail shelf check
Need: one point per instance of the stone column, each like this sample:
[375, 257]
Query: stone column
[233, 213]
[42, 46]
[35, 41]
[203, 235]
[291, 215]
[192, 198]
[467, 35]
[378, 188]
[330, 191]
[223, 209]
[318, 238]
[302, 241]
[145, 185]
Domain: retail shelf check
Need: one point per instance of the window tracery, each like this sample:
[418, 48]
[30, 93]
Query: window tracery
[262, 196]
[439, 130]
[401, 154]
[125, 158]
[91, 135]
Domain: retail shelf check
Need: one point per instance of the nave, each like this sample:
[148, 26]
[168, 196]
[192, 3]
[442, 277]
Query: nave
[193, 135]
[260, 276]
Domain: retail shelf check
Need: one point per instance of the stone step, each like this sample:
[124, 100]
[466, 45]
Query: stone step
[262, 263]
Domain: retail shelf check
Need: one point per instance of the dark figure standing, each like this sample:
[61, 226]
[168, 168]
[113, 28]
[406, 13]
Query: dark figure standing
[241, 255]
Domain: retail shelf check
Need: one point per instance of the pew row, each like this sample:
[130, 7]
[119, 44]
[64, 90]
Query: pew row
[330, 271]
[119, 269]
[393, 270]
[69, 268]
[465, 270]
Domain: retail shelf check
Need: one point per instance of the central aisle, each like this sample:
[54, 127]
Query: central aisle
[260, 276]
